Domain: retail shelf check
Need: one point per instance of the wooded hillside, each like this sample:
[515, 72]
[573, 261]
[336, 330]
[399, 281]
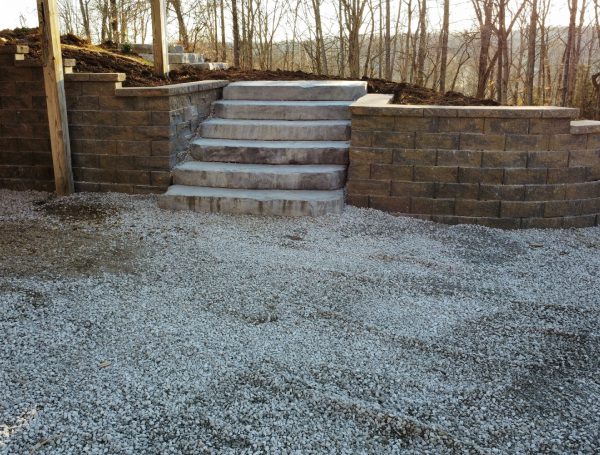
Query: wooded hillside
[509, 52]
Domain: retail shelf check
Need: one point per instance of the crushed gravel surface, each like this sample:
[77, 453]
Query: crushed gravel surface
[125, 329]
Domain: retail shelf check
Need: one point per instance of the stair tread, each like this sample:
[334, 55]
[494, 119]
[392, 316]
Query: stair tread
[290, 103]
[211, 166]
[248, 143]
[291, 123]
[262, 195]
[300, 84]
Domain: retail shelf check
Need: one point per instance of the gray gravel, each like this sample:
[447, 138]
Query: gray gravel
[125, 329]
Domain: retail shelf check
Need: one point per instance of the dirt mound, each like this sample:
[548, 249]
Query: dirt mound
[413, 94]
[108, 58]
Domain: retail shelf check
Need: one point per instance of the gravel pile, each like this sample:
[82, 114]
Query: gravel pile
[125, 329]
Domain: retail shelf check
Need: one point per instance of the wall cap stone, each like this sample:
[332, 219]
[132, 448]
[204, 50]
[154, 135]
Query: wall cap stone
[175, 89]
[585, 126]
[378, 104]
[95, 77]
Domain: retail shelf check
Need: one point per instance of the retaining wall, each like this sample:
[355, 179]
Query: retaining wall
[496, 166]
[122, 139]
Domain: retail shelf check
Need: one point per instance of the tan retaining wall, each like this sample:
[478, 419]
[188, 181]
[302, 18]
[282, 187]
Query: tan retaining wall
[496, 166]
[122, 139]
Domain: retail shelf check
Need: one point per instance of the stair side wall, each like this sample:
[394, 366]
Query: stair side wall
[494, 166]
[122, 139]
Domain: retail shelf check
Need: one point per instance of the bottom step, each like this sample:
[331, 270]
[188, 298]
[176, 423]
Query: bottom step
[253, 202]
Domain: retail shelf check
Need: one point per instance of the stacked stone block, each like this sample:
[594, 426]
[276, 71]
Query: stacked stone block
[25, 156]
[127, 139]
[122, 139]
[495, 166]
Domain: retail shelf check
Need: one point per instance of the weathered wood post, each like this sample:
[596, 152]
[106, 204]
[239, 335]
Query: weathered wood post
[54, 82]
[160, 48]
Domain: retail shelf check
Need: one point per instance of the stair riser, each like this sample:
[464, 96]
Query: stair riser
[251, 112]
[250, 155]
[277, 132]
[271, 93]
[248, 180]
[251, 207]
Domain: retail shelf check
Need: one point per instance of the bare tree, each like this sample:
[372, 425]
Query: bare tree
[354, 12]
[422, 52]
[531, 52]
[444, 45]
[567, 71]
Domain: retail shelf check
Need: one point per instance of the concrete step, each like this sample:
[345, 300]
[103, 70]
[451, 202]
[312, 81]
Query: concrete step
[282, 110]
[260, 176]
[273, 130]
[253, 202]
[296, 90]
[270, 152]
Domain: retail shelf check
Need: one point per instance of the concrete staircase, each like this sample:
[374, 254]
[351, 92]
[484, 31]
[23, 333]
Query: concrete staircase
[272, 148]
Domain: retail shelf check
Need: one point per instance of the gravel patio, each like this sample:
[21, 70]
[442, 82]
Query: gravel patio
[125, 329]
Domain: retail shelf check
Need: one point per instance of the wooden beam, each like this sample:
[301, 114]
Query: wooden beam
[54, 82]
[159, 38]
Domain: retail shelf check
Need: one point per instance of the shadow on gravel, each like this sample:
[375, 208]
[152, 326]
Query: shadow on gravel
[76, 211]
[73, 248]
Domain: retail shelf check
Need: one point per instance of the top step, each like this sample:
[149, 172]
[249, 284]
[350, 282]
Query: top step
[295, 90]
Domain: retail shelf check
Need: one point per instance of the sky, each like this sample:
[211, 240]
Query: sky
[461, 13]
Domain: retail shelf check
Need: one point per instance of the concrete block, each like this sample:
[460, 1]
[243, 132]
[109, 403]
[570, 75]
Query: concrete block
[436, 174]
[292, 110]
[270, 152]
[472, 141]
[259, 176]
[548, 159]
[506, 126]
[391, 172]
[371, 155]
[549, 192]
[413, 189]
[516, 176]
[305, 130]
[457, 190]
[296, 90]
[469, 158]
[501, 192]
[503, 159]
[415, 156]
[437, 140]
[517, 142]
[480, 175]
[390, 204]
[369, 187]
[474, 208]
[256, 202]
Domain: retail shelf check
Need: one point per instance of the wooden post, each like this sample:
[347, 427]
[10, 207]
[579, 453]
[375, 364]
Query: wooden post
[159, 38]
[54, 82]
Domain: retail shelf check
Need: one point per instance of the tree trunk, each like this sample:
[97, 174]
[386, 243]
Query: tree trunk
[444, 56]
[236, 34]
[531, 41]
[567, 72]
[484, 50]
[223, 43]
[422, 43]
[388, 41]
[114, 22]
[85, 18]
[184, 37]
